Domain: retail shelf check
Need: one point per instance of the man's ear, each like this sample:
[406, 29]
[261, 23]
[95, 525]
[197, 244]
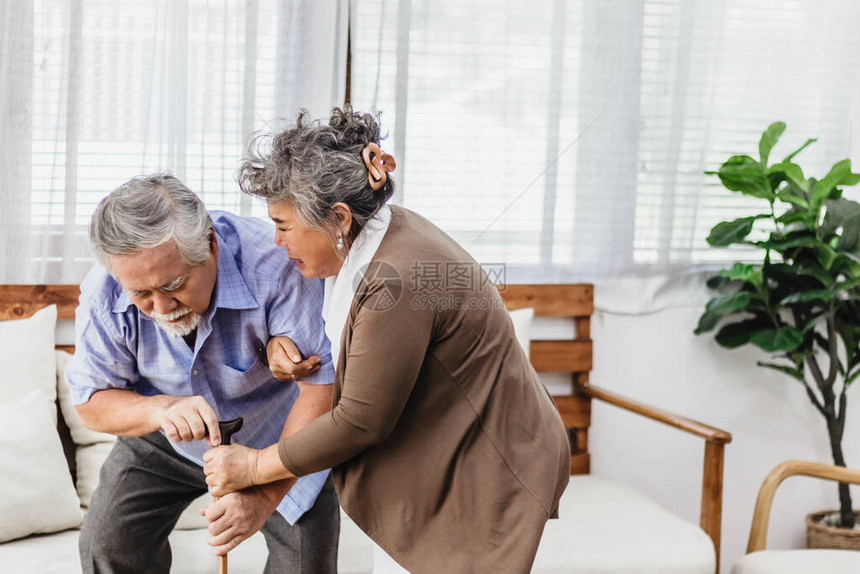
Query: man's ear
[213, 241]
[344, 216]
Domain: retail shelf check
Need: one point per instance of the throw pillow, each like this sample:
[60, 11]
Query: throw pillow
[37, 491]
[27, 356]
[81, 435]
[522, 319]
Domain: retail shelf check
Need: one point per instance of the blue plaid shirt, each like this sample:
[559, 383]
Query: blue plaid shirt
[258, 294]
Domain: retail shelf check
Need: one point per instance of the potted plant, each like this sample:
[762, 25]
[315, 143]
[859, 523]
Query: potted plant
[801, 303]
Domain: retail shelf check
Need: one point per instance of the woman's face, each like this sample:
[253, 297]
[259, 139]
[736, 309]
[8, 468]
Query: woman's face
[312, 250]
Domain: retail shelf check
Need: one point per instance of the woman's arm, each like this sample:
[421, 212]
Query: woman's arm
[386, 351]
[385, 354]
[234, 467]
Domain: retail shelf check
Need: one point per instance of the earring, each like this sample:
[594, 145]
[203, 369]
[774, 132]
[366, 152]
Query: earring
[340, 242]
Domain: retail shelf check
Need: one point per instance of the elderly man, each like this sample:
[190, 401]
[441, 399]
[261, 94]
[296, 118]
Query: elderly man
[174, 332]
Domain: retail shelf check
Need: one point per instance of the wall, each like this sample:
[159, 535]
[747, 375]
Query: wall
[655, 358]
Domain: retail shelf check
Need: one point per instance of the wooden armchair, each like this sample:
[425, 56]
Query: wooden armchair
[761, 561]
[574, 357]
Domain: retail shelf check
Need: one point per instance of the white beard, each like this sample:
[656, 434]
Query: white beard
[181, 328]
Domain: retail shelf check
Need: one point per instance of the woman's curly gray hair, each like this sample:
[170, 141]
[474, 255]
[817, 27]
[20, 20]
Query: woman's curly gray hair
[312, 166]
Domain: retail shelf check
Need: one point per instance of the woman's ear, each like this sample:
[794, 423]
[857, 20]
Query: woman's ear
[344, 216]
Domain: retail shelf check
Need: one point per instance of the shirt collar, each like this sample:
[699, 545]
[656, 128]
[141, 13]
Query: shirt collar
[122, 302]
[230, 292]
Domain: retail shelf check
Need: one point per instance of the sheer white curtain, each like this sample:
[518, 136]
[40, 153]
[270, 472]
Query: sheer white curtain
[16, 49]
[568, 139]
[93, 92]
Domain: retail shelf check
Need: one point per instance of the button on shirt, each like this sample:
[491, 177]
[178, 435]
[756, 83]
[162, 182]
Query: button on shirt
[258, 294]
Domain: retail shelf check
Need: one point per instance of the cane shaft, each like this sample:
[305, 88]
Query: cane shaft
[228, 429]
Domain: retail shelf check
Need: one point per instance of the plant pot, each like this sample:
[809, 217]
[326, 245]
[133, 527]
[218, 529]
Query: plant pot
[820, 535]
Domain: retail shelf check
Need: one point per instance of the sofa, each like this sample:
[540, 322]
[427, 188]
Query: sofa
[49, 468]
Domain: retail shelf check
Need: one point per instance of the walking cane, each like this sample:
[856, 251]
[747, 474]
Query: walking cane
[228, 429]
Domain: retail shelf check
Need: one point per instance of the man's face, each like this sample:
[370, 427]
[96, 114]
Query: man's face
[171, 292]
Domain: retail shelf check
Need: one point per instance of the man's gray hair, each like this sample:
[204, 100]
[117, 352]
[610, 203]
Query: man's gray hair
[315, 165]
[147, 211]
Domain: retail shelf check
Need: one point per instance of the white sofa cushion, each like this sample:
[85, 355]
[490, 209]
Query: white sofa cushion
[798, 562]
[37, 490]
[522, 320]
[605, 527]
[355, 548]
[89, 460]
[27, 356]
[81, 435]
[58, 553]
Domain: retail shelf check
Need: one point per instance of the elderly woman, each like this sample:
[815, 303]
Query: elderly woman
[444, 446]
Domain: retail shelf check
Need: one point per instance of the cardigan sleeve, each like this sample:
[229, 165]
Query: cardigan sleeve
[386, 351]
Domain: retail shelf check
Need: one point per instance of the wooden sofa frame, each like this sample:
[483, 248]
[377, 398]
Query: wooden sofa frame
[573, 357]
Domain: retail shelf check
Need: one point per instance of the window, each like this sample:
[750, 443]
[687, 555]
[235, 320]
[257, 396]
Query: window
[121, 88]
[565, 138]
[569, 138]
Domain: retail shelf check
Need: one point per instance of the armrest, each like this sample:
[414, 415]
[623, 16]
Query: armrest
[709, 433]
[711, 515]
[761, 515]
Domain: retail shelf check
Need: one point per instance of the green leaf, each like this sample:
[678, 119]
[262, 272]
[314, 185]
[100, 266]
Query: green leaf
[852, 179]
[744, 174]
[846, 285]
[849, 334]
[725, 304]
[791, 216]
[794, 194]
[807, 296]
[780, 339]
[850, 239]
[826, 255]
[793, 173]
[784, 244]
[846, 264]
[799, 356]
[769, 139]
[790, 156]
[743, 272]
[707, 322]
[823, 252]
[811, 268]
[737, 334]
[840, 171]
[815, 319]
[728, 232]
[790, 371]
[837, 213]
[716, 281]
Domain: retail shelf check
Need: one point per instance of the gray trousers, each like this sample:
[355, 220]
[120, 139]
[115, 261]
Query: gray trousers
[143, 488]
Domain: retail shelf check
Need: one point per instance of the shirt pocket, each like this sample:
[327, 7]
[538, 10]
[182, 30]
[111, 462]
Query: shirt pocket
[248, 384]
